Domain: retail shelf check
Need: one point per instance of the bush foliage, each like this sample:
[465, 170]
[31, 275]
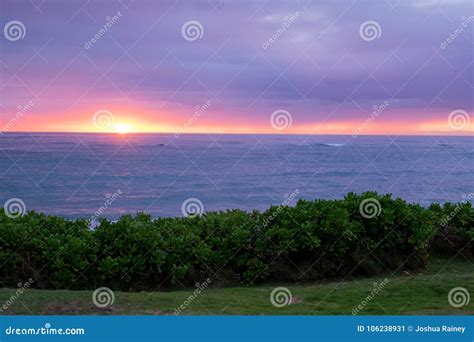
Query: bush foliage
[318, 239]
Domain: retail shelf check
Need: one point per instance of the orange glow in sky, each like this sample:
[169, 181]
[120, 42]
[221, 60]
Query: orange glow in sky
[134, 120]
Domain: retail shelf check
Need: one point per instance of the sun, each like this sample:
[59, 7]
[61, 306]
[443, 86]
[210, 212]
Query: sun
[122, 128]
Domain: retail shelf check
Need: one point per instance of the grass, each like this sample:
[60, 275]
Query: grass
[422, 293]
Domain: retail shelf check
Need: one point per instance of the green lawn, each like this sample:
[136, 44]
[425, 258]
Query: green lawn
[417, 293]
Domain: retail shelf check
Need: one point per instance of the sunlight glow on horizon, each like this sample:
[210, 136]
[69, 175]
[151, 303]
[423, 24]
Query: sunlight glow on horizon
[123, 128]
[123, 125]
[140, 119]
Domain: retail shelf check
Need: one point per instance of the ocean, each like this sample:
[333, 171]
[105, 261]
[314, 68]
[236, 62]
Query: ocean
[77, 175]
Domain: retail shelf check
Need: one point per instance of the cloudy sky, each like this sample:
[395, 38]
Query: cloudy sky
[376, 66]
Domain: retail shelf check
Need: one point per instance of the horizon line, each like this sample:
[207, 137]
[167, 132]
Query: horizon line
[236, 133]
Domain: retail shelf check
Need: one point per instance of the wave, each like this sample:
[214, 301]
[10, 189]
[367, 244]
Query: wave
[154, 145]
[330, 144]
[229, 142]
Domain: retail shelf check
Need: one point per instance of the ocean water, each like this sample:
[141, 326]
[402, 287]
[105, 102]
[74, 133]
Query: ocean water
[73, 175]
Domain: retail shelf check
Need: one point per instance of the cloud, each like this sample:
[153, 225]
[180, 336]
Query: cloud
[317, 64]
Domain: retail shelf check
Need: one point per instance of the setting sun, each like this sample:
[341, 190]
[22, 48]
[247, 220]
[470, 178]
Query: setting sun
[122, 128]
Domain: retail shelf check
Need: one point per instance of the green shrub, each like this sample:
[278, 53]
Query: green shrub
[454, 224]
[318, 239]
[131, 253]
[55, 252]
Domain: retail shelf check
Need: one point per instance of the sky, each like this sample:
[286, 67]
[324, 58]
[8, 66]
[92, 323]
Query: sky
[247, 66]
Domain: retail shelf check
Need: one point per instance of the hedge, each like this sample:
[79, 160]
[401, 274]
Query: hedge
[320, 239]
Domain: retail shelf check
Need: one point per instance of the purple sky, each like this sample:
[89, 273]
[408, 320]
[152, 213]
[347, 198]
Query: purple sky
[319, 68]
